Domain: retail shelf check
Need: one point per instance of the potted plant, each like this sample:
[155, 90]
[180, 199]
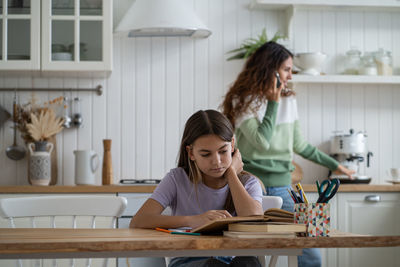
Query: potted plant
[250, 45]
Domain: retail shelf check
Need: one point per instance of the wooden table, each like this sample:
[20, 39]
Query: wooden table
[82, 243]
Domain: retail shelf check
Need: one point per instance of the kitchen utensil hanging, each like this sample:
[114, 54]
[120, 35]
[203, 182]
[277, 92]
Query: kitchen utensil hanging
[77, 117]
[4, 115]
[14, 151]
[66, 117]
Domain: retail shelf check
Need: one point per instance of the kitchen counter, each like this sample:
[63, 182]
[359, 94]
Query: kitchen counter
[149, 188]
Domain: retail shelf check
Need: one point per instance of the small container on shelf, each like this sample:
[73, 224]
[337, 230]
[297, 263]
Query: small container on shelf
[384, 62]
[353, 61]
[368, 66]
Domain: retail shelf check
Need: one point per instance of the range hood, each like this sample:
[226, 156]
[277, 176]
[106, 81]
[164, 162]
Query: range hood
[150, 18]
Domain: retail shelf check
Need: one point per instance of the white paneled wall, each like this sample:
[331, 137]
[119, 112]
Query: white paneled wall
[157, 83]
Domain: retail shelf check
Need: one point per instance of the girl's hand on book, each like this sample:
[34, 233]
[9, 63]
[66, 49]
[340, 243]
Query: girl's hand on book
[208, 216]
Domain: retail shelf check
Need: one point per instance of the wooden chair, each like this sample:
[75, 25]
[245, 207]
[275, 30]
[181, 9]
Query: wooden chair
[45, 212]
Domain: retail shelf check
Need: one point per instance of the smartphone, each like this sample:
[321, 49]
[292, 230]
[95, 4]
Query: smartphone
[278, 80]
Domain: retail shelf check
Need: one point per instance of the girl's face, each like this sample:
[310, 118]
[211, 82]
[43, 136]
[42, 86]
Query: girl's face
[212, 155]
[285, 71]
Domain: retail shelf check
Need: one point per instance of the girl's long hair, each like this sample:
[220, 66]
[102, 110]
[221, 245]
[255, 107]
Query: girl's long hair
[254, 80]
[203, 122]
[199, 124]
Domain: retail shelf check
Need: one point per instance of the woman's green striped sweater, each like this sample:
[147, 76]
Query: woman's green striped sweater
[268, 138]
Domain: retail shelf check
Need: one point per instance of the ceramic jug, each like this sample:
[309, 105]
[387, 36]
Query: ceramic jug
[86, 164]
[40, 163]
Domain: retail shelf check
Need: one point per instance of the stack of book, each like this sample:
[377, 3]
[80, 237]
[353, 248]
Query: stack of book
[264, 229]
[275, 221]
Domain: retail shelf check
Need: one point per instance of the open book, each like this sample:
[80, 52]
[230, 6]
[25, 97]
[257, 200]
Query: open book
[272, 215]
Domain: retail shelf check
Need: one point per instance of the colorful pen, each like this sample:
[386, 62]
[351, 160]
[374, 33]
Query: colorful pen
[301, 192]
[295, 201]
[300, 195]
[298, 199]
[184, 233]
[179, 230]
[163, 230]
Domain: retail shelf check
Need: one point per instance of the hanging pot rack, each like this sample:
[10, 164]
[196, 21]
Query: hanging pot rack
[98, 89]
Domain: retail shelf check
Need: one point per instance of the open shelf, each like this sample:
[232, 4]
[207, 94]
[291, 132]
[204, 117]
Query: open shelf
[289, 7]
[388, 5]
[352, 79]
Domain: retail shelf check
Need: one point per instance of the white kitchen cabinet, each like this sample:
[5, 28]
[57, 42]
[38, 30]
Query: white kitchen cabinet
[329, 255]
[77, 35]
[56, 35]
[371, 214]
[19, 35]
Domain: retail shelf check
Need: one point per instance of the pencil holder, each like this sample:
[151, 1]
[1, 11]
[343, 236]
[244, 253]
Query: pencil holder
[316, 216]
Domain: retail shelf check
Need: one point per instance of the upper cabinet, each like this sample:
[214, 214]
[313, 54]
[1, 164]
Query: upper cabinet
[56, 35]
[20, 35]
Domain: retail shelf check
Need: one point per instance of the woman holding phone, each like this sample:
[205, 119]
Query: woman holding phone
[264, 114]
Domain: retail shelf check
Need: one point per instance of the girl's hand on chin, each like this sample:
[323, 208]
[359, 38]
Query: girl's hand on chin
[237, 163]
[208, 216]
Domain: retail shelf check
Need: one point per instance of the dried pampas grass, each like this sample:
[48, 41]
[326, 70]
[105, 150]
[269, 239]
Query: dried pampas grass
[44, 125]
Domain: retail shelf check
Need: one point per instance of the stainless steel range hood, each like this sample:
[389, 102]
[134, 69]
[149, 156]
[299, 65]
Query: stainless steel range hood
[149, 18]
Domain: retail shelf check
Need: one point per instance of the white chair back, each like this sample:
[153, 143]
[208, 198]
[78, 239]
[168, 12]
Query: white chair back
[269, 202]
[36, 208]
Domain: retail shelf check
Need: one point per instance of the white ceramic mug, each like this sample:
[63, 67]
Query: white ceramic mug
[394, 173]
[86, 164]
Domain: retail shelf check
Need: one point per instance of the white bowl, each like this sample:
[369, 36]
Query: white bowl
[309, 63]
[64, 56]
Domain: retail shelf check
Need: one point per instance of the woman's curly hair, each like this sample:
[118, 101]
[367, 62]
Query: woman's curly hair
[254, 80]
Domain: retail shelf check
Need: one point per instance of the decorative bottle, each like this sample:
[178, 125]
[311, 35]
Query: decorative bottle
[107, 173]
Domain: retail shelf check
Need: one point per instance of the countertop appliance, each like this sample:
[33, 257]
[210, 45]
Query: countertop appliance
[350, 150]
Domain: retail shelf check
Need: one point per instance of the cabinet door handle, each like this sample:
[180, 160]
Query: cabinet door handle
[373, 198]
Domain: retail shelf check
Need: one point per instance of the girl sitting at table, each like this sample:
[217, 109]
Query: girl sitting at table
[208, 184]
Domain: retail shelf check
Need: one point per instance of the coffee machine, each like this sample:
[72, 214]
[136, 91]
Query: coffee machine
[350, 150]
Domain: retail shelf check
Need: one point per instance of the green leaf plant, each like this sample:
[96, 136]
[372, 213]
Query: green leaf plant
[250, 45]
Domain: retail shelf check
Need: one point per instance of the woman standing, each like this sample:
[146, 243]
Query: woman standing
[264, 114]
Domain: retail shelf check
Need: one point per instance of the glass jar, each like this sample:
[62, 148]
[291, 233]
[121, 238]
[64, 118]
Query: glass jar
[353, 61]
[384, 62]
[368, 66]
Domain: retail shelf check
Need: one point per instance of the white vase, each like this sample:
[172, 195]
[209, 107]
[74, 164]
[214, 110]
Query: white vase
[40, 163]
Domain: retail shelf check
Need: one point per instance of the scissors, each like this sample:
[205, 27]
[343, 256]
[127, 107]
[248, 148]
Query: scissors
[327, 190]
